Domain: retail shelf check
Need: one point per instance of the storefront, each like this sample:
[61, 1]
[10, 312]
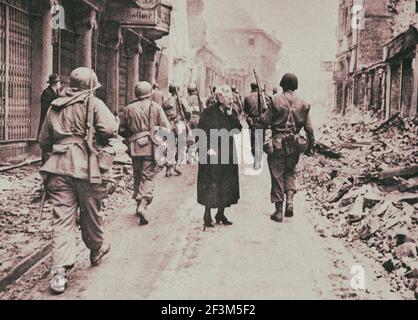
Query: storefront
[15, 71]
[402, 78]
[114, 37]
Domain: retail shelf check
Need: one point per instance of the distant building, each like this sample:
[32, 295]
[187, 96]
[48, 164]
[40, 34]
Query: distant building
[247, 49]
[176, 61]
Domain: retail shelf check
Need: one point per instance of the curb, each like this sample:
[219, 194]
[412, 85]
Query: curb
[24, 266]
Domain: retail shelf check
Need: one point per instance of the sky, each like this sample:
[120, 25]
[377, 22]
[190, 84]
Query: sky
[307, 29]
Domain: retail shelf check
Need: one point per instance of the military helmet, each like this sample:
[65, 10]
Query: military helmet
[289, 82]
[84, 79]
[191, 88]
[172, 88]
[143, 90]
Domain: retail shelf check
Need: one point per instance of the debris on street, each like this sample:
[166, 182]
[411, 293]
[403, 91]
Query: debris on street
[369, 192]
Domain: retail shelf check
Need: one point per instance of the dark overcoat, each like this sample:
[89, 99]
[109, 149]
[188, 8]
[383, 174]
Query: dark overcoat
[218, 184]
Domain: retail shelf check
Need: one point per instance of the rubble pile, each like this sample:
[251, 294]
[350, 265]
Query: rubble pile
[364, 180]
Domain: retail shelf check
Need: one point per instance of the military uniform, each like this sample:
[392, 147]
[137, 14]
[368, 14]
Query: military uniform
[178, 115]
[66, 171]
[237, 103]
[252, 110]
[158, 97]
[138, 125]
[282, 167]
[195, 108]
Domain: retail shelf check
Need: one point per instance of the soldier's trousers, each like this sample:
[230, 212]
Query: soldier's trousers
[68, 195]
[283, 175]
[257, 141]
[145, 169]
[176, 148]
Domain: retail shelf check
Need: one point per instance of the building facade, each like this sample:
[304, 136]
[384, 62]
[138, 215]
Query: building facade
[248, 49]
[358, 69]
[115, 38]
[376, 67]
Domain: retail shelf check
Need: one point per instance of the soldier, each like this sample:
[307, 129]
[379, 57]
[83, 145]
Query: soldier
[211, 99]
[288, 115]
[195, 104]
[178, 112]
[48, 95]
[237, 101]
[253, 109]
[138, 125]
[158, 95]
[72, 180]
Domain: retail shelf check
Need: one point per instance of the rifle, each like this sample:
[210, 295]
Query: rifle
[261, 96]
[198, 98]
[180, 106]
[94, 170]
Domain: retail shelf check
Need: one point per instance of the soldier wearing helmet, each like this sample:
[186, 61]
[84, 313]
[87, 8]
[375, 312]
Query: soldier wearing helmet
[196, 106]
[178, 112]
[287, 116]
[138, 123]
[237, 101]
[157, 95]
[67, 171]
[253, 108]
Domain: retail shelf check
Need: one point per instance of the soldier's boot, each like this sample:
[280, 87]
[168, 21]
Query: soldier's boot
[221, 219]
[177, 169]
[140, 212]
[168, 173]
[96, 256]
[289, 204]
[278, 214]
[207, 219]
[59, 281]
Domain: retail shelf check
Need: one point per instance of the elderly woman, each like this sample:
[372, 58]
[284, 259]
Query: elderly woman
[218, 181]
[287, 116]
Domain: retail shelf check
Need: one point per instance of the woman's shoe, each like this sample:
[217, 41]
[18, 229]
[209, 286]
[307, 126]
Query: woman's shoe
[222, 220]
[208, 224]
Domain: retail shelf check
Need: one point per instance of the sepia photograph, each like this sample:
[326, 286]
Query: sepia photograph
[203, 153]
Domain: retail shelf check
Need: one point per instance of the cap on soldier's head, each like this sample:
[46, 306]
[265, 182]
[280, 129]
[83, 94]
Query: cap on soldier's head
[289, 82]
[172, 88]
[143, 90]
[156, 86]
[275, 90]
[233, 88]
[84, 79]
[254, 86]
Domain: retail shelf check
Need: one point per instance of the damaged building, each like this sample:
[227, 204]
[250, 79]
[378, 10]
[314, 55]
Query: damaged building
[376, 62]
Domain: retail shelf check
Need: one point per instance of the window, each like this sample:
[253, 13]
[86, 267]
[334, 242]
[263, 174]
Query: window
[251, 41]
[416, 6]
